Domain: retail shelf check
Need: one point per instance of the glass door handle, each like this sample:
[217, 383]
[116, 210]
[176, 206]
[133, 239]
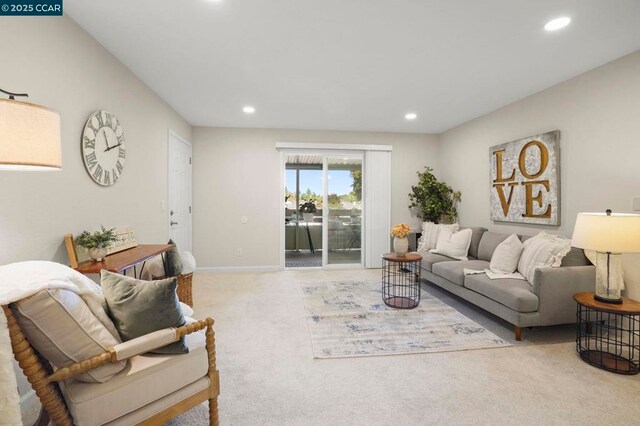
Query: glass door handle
[173, 223]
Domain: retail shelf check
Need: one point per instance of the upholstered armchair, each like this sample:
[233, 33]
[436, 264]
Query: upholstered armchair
[149, 389]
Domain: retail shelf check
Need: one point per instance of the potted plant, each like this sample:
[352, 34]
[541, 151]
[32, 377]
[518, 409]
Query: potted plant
[434, 200]
[308, 209]
[400, 241]
[97, 242]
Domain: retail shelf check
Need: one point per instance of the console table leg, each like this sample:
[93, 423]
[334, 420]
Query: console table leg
[518, 332]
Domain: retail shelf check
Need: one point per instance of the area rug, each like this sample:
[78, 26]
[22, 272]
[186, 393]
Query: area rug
[349, 319]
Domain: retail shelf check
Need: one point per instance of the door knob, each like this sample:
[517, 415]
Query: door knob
[173, 223]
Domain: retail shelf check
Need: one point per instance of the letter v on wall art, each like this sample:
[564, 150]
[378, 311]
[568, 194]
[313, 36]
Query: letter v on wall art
[525, 180]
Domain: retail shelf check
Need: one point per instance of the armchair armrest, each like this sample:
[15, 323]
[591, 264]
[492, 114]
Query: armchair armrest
[145, 343]
[555, 288]
[128, 349]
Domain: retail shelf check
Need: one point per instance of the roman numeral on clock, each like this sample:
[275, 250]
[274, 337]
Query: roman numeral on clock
[107, 178]
[97, 173]
[121, 152]
[119, 166]
[91, 160]
[89, 143]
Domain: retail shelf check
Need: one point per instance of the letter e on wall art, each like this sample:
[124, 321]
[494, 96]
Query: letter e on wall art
[525, 180]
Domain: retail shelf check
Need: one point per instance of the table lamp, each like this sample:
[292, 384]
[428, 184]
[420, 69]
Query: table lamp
[29, 136]
[610, 235]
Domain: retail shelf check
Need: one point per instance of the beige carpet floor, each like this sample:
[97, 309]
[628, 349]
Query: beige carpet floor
[269, 377]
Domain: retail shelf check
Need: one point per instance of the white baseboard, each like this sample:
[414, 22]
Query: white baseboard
[238, 269]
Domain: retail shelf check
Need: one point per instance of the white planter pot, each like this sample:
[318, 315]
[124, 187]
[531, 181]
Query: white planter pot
[97, 254]
[400, 246]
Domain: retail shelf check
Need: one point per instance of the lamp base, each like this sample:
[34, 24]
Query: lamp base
[608, 300]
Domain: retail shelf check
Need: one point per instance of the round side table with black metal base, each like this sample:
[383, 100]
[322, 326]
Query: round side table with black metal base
[401, 280]
[608, 335]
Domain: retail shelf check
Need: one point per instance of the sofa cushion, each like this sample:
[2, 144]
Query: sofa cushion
[146, 379]
[454, 244]
[428, 259]
[431, 232]
[575, 257]
[453, 271]
[60, 325]
[542, 250]
[476, 236]
[506, 256]
[512, 293]
[488, 243]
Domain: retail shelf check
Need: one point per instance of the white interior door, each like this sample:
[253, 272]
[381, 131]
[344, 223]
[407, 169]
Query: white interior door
[179, 193]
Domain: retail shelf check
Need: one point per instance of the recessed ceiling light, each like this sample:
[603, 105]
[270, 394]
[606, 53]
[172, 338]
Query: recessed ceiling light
[410, 116]
[248, 110]
[557, 23]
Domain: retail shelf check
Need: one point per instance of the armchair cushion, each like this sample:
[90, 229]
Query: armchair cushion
[148, 378]
[140, 307]
[60, 325]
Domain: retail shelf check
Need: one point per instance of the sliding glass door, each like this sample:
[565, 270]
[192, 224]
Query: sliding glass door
[342, 213]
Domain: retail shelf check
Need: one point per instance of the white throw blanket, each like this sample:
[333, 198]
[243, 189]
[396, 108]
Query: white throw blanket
[20, 280]
[493, 275]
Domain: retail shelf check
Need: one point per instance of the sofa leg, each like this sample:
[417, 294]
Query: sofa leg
[518, 332]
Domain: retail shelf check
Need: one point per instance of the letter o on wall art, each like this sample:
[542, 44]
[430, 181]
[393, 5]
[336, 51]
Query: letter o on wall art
[525, 180]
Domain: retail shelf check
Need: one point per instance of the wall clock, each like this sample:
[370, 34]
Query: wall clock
[103, 149]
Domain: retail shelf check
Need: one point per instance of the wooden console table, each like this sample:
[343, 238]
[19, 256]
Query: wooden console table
[122, 261]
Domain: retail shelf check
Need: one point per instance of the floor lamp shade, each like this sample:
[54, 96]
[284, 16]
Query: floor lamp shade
[29, 136]
[609, 234]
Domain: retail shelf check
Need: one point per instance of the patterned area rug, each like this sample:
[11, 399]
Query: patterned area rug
[349, 319]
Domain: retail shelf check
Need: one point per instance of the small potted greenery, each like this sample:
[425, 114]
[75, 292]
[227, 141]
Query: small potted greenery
[97, 242]
[308, 209]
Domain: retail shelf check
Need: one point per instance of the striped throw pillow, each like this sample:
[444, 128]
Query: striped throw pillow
[542, 250]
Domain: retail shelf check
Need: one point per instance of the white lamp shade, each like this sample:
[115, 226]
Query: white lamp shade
[617, 233]
[29, 136]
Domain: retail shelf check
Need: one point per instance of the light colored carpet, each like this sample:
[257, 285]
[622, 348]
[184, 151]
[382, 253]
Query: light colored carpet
[347, 318]
[268, 375]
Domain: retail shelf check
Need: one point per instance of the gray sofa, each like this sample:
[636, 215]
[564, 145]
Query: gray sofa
[548, 300]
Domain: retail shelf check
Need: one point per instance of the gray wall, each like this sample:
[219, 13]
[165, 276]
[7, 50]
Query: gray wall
[598, 114]
[236, 172]
[64, 68]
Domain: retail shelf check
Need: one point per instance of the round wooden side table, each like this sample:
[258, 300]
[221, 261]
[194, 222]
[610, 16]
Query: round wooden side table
[608, 335]
[401, 280]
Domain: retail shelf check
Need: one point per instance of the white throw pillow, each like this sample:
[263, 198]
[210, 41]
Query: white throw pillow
[453, 244]
[506, 256]
[431, 232]
[542, 250]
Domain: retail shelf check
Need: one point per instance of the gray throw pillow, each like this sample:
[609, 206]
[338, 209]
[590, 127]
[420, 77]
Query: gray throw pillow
[174, 261]
[140, 307]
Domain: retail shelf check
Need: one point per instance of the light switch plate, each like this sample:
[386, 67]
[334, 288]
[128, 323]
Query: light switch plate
[636, 204]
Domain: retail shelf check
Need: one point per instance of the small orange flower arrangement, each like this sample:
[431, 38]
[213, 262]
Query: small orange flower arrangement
[400, 230]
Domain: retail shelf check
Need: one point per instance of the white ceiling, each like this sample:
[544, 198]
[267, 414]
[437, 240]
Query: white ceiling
[354, 64]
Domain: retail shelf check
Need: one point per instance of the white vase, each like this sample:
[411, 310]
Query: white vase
[400, 246]
[308, 217]
[97, 253]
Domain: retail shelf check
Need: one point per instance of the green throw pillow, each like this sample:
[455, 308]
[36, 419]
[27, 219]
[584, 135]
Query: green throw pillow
[174, 261]
[140, 307]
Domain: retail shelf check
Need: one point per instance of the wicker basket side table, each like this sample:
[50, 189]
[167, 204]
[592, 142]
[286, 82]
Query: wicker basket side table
[608, 335]
[401, 280]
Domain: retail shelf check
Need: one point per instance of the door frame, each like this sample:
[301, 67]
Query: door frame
[175, 136]
[286, 149]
